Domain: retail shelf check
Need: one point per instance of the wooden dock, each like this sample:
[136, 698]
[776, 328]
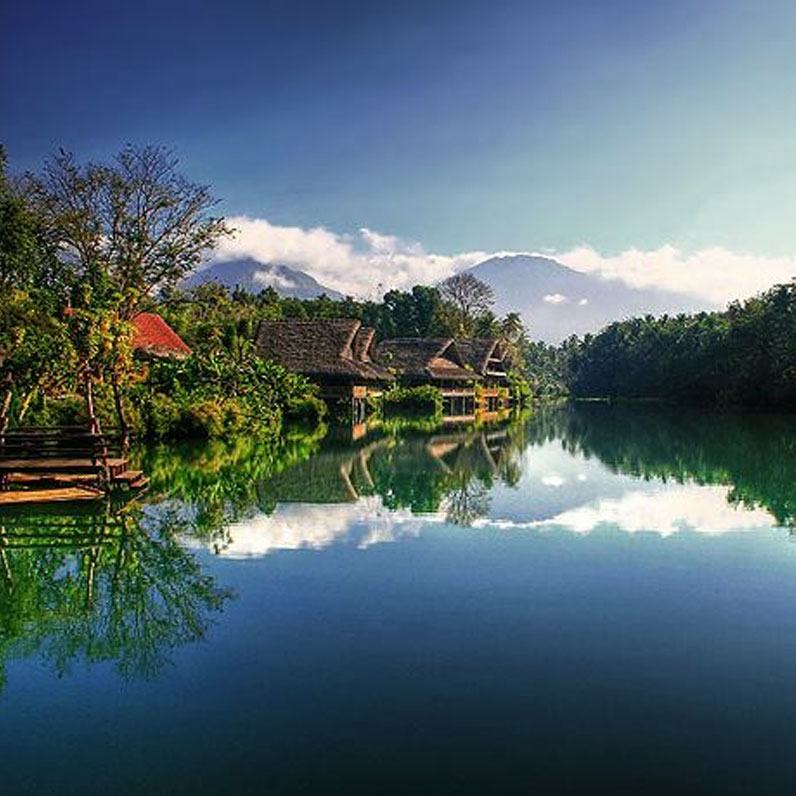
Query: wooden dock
[66, 494]
[55, 465]
[39, 465]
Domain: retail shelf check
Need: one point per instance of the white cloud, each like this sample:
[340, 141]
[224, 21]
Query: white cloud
[715, 275]
[311, 526]
[273, 279]
[583, 302]
[369, 262]
[554, 480]
[364, 264]
[665, 510]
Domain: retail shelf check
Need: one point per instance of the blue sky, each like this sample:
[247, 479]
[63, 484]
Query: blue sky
[465, 126]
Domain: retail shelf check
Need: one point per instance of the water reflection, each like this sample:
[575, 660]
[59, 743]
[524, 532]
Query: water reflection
[98, 586]
[372, 491]
[752, 455]
[130, 585]
[580, 468]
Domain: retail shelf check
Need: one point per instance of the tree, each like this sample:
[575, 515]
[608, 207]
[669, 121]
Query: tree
[408, 314]
[468, 294]
[28, 259]
[467, 304]
[125, 228]
[34, 347]
[122, 230]
[514, 338]
[744, 356]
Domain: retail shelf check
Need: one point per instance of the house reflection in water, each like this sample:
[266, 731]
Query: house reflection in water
[421, 474]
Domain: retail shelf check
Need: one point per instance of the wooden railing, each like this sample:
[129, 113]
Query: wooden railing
[64, 448]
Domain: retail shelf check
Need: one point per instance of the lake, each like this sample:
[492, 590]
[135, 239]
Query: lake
[592, 599]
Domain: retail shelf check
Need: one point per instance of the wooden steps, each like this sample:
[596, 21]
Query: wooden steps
[133, 479]
[30, 479]
[46, 465]
[59, 495]
[66, 463]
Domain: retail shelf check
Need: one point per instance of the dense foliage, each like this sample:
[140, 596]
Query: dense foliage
[84, 247]
[744, 356]
[213, 316]
[544, 367]
[422, 401]
[213, 393]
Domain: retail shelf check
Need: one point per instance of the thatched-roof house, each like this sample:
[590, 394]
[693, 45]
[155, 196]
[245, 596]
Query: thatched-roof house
[436, 361]
[420, 360]
[487, 357]
[336, 354]
[154, 338]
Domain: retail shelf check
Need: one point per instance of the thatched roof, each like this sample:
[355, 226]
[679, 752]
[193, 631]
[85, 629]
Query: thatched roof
[322, 349]
[482, 354]
[424, 358]
[363, 342]
[363, 351]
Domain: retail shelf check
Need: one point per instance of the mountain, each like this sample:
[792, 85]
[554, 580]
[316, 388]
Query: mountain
[555, 301]
[253, 276]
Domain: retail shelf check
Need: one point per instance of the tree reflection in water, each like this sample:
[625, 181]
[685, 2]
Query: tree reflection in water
[448, 471]
[105, 586]
[120, 585]
[754, 454]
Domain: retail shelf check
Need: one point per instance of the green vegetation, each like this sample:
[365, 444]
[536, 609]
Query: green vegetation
[83, 248]
[545, 368]
[745, 356]
[215, 393]
[412, 402]
[212, 316]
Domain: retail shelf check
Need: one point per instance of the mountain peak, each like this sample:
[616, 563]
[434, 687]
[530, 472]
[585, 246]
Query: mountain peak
[556, 301]
[254, 276]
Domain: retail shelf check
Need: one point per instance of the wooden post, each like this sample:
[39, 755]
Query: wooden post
[94, 424]
[5, 418]
[5, 410]
[117, 399]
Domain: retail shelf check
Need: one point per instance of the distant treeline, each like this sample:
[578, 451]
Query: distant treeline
[745, 356]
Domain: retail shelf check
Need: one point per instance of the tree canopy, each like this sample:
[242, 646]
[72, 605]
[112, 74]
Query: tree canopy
[743, 356]
[128, 227]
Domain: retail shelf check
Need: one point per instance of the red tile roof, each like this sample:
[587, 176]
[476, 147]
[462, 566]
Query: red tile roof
[155, 337]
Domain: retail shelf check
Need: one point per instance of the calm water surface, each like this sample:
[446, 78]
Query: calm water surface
[593, 600]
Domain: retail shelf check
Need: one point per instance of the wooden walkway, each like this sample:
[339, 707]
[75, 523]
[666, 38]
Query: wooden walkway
[62, 495]
[47, 464]
[40, 465]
